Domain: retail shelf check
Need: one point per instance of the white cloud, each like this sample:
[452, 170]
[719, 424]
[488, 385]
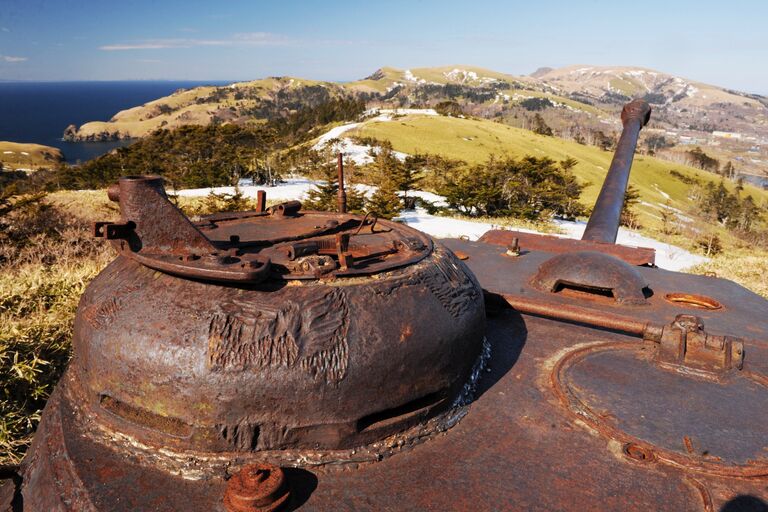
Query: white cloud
[261, 39]
[241, 39]
[140, 46]
[8, 58]
[4, 29]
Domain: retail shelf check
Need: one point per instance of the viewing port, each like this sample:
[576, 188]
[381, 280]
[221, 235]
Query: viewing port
[693, 301]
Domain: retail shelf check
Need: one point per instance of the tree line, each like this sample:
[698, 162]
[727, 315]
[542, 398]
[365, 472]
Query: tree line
[529, 187]
[199, 156]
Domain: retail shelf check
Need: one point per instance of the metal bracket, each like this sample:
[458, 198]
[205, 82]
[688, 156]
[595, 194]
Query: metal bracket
[346, 260]
[287, 209]
[113, 230]
[684, 343]
[158, 235]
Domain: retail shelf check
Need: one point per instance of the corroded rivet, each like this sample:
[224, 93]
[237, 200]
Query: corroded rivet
[256, 488]
[638, 453]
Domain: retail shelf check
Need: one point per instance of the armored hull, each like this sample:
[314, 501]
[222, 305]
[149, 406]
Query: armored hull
[280, 359]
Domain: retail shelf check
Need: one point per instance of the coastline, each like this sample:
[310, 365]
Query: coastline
[38, 112]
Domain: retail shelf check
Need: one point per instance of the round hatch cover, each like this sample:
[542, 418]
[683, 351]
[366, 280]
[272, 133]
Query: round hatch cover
[713, 425]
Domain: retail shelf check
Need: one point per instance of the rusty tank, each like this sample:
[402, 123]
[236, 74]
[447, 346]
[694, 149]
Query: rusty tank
[284, 359]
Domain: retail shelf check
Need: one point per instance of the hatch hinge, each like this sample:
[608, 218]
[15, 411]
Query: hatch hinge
[685, 344]
[155, 233]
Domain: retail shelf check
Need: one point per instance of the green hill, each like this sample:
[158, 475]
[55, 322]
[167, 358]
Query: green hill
[475, 141]
[238, 103]
[16, 155]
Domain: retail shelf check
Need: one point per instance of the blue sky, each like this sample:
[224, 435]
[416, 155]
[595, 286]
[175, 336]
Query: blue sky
[723, 43]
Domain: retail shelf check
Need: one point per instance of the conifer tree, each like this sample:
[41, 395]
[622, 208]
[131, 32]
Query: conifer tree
[540, 126]
[388, 176]
[384, 202]
[323, 196]
[628, 217]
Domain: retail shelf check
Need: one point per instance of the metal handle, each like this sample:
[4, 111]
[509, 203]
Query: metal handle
[603, 225]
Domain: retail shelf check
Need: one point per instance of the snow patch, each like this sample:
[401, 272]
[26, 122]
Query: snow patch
[664, 194]
[360, 153]
[463, 76]
[668, 256]
[403, 111]
[413, 78]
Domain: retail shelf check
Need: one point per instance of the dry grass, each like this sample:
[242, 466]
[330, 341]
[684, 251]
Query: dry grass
[748, 267]
[47, 259]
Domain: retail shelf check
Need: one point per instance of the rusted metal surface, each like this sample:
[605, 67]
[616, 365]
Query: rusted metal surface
[196, 370]
[526, 416]
[10, 499]
[342, 194]
[257, 488]
[741, 312]
[603, 225]
[557, 245]
[685, 344]
[578, 314]
[591, 271]
[707, 435]
[360, 373]
[155, 233]
[251, 247]
[261, 201]
[521, 446]
[270, 367]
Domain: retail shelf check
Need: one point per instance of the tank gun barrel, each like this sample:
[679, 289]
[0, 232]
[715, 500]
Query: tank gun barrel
[603, 225]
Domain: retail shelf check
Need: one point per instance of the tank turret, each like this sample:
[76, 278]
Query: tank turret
[285, 359]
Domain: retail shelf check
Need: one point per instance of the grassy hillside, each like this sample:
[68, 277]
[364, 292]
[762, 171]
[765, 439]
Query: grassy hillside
[248, 101]
[476, 140]
[523, 94]
[15, 155]
[384, 78]
[238, 102]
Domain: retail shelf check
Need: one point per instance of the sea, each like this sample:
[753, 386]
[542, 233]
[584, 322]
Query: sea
[38, 112]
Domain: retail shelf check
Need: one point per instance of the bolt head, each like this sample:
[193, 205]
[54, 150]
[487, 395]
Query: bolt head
[256, 488]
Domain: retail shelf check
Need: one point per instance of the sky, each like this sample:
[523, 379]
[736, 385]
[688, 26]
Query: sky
[723, 43]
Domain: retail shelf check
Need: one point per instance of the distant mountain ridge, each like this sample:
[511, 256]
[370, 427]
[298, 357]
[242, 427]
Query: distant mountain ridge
[685, 111]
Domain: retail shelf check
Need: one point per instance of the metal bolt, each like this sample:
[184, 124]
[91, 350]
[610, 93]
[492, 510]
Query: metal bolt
[261, 201]
[342, 195]
[342, 250]
[514, 248]
[637, 452]
[256, 488]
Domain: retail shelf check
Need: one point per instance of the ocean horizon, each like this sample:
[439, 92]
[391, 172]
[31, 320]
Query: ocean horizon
[39, 111]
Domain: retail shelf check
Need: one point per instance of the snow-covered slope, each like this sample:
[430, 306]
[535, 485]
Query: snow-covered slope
[361, 153]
